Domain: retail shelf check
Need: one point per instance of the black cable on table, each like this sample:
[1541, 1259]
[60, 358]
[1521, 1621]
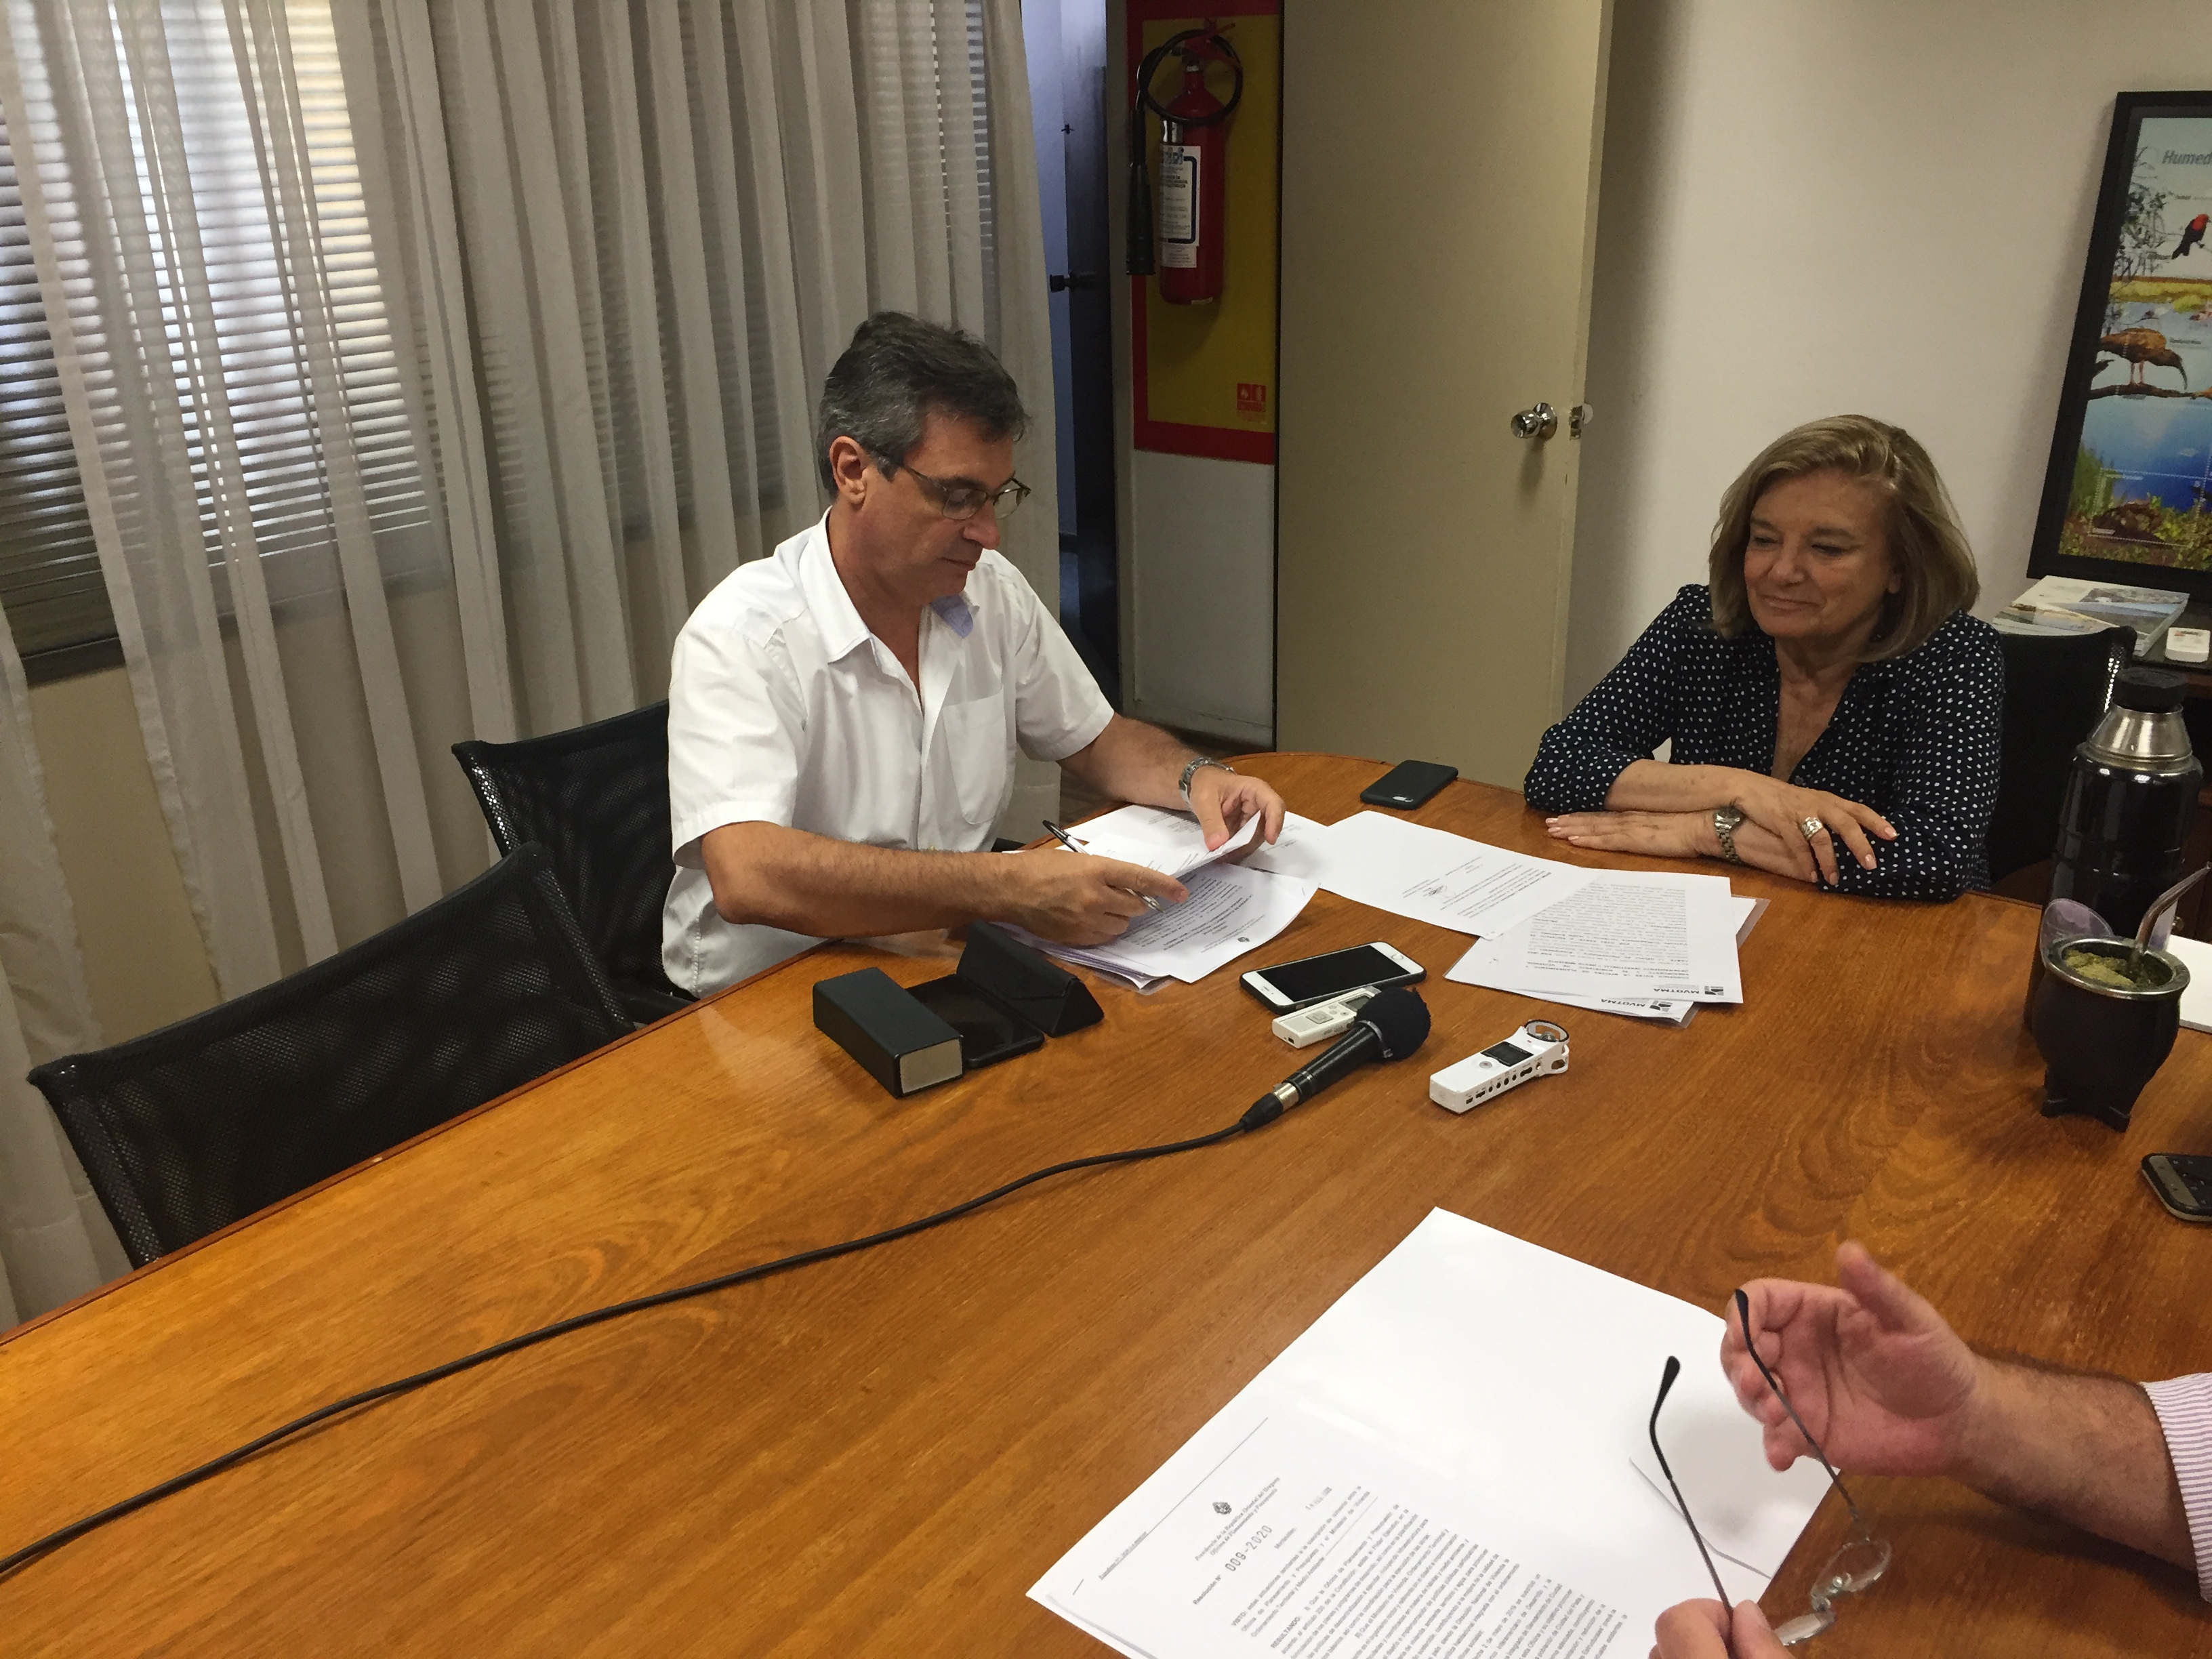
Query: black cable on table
[1253, 1119]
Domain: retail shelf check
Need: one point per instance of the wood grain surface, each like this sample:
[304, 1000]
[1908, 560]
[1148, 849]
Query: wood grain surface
[879, 1456]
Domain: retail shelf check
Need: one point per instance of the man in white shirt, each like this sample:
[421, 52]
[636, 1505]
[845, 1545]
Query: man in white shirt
[842, 716]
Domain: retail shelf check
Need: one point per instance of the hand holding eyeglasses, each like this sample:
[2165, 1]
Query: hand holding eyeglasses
[1879, 1377]
[1863, 1558]
[1706, 1630]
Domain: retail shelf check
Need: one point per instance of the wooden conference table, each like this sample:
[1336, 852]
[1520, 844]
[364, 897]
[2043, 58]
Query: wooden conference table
[879, 1455]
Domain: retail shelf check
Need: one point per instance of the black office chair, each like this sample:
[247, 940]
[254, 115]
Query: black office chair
[596, 797]
[2056, 688]
[189, 1128]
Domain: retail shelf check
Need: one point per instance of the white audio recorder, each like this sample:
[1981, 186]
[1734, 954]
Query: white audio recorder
[1537, 1049]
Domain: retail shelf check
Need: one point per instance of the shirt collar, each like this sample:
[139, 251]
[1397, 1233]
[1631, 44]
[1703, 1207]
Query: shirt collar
[836, 617]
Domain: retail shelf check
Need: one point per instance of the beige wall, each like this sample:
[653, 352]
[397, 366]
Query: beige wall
[143, 956]
[1880, 206]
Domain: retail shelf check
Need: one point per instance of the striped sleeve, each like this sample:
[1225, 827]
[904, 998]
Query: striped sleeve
[2184, 1415]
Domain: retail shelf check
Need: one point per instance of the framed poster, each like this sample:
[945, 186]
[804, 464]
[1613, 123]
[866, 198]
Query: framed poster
[2125, 494]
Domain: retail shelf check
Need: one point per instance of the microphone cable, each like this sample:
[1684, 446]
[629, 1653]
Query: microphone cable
[1256, 1117]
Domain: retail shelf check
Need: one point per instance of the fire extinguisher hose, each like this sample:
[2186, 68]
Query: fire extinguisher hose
[1137, 249]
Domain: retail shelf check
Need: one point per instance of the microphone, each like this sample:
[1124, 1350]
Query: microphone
[1392, 1024]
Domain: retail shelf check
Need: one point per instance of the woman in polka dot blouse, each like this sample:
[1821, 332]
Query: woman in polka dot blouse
[1833, 709]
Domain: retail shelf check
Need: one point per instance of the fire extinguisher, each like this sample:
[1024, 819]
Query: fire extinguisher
[1194, 151]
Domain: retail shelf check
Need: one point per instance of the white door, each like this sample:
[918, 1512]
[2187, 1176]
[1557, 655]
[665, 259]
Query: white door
[1438, 209]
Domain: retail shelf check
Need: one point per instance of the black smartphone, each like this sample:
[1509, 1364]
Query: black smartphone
[987, 1032]
[1300, 984]
[2183, 1182]
[1407, 784]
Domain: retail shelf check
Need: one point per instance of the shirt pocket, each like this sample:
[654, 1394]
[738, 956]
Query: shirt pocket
[976, 749]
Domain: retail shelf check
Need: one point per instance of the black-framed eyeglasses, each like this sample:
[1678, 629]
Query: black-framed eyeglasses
[961, 499]
[1861, 1560]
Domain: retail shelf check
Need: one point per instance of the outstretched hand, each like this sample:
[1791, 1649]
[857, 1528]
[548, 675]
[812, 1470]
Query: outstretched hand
[1882, 1381]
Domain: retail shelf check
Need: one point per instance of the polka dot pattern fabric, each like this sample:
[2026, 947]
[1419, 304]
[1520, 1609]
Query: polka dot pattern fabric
[1915, 738]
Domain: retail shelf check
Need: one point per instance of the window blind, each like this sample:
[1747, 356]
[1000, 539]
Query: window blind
[49, 573]
[50, 580]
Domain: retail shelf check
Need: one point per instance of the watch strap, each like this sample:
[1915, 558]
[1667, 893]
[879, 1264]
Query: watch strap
[1725, 820]
[1191, 769]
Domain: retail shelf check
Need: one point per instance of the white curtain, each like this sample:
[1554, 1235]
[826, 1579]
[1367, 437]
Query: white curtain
[425, 361]
[629, 240]
[55, 1241]
[249, 446]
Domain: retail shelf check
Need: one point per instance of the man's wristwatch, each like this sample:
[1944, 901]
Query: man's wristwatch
[1725, 820]
[1191, 770]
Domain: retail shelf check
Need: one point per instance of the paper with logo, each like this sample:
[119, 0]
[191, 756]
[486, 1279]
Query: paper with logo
[1667, 1011]
[1432, 875]
[1647, 935]
[1446, 1465]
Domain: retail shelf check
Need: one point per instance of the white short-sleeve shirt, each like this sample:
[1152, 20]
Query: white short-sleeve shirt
[783, 708]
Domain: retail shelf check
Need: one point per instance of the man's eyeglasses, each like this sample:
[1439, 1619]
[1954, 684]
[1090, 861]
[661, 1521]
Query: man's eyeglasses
[960, 499]
[1860, 1562]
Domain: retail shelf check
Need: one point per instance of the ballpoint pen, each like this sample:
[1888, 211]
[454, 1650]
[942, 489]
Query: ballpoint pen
[1075, 846]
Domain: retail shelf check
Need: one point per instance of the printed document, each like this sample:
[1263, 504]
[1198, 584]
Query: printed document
[1670, 1011]
[1450, 1462]
[1231, 910]
[1432, 875]
[1169, 842]
[1646, 935]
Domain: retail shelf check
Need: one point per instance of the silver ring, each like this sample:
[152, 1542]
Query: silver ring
[1810, 827]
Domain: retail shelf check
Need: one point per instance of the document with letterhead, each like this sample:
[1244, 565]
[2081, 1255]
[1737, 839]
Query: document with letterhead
[1639, 935]
[1428, 875]
[1449, 1462]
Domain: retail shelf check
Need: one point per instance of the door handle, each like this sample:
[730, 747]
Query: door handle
[1074, 279]
[1538, 422]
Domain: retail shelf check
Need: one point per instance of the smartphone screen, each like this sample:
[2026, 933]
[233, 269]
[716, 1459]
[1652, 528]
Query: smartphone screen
[987, 1032]
[1316, 977]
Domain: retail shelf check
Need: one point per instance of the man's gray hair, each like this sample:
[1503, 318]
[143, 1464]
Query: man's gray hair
[898, 370]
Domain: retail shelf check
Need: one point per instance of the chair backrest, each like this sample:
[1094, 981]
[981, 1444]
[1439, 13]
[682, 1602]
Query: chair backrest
[190, 1127]
[2056, 688]
[596, 798]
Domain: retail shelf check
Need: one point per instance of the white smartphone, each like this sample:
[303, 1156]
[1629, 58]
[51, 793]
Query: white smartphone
[1316, 979]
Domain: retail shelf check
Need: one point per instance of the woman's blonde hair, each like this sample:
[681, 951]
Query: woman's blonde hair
[1927, 548]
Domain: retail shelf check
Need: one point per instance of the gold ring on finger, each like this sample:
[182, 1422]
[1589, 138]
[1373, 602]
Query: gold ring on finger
[1810, 827]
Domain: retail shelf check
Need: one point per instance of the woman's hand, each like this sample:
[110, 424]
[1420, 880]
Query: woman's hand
[1781, 809]
[1690, 835]
[1656, 834]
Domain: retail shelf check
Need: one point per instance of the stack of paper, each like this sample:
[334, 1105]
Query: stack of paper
[1230, 910]
[2070, 605]
[1646, 943]
[1451, 1460]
